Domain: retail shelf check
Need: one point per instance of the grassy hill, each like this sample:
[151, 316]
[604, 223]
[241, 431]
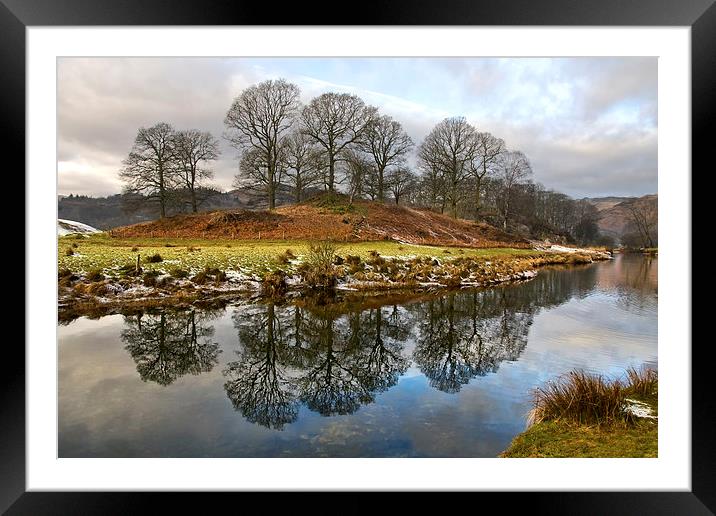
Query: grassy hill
[328, 217]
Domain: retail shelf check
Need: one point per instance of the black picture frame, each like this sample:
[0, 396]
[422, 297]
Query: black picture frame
[700, 15]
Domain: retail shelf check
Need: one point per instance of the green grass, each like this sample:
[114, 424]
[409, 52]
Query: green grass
[574, 422]
[107, 254]
[567, 439]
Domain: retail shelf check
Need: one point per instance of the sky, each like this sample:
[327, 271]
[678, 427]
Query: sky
[588, 125]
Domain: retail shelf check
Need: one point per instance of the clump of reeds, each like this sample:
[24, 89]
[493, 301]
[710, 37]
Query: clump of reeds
[642, 381]
[582, 398]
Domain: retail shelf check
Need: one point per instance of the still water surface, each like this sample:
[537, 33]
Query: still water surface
[444, 375]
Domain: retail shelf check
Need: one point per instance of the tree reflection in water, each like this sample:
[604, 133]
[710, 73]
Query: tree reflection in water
[463, 335]
[331, 362]
[168, 345]
[333, 357]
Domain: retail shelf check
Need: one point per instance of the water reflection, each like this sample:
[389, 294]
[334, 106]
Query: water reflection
[334, 356]
[169, 345]
[329, 361]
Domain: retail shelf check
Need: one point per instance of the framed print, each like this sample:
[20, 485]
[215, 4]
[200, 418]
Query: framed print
[418, 252]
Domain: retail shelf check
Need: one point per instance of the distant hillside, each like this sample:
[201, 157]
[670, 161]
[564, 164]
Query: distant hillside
[115, 211]
[614, 218]
[604, 203]
[322, 218]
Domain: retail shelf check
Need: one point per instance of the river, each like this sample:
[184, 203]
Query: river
[446, 374]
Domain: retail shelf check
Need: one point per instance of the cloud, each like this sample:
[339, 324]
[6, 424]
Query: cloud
[589, 125]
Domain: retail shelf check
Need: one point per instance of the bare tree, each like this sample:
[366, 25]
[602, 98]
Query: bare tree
[644, 214]
[190, 149]
[302, 163]
[432, 186]
[254, 172]
[359, 168]
[449, 149]
[401, 182]
[513, 169]
[387, 142]
[336, 121]
[257, 121]
[487, 157]
[150, 170]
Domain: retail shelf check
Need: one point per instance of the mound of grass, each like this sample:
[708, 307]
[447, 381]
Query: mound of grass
[94, 275]
[559, 439]
[176, 272]
[209, 274]
[154, 258]
[586, 415]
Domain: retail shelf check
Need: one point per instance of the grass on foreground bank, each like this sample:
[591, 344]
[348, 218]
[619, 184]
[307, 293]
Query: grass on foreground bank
[81, 254]
[584, 415]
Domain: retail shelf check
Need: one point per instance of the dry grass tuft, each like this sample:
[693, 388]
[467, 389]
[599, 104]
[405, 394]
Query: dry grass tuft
[642, 381]
[581, 398]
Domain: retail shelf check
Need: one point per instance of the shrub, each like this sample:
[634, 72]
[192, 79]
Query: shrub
[582, 398]
[317, 269]
[155, 258]
[274, 283]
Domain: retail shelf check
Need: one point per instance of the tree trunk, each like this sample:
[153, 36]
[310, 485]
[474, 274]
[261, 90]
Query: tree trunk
[162, 194]
[193, 201]
[271, 186]
[381, 196]
[331, 174]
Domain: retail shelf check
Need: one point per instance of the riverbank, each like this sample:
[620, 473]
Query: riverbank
[100, 271]
[631, 431]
